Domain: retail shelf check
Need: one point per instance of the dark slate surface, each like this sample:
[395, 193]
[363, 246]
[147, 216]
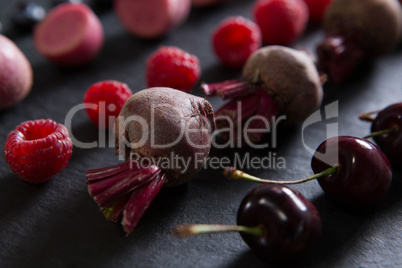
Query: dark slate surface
[57, 224]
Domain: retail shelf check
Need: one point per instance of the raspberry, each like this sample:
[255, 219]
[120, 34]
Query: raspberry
[281, 21]
[37, 150]
[235, 39]
[172, 67]
[317, 9]
[104, 100]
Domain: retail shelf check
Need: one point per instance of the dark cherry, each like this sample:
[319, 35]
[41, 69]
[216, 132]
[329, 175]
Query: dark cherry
[27, 14]
[364, 172]
[291, 223]
[391, 143]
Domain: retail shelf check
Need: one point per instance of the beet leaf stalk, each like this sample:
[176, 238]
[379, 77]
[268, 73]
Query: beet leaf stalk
[247, 106]
[124, 191]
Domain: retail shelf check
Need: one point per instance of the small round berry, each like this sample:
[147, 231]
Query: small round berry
[37, 150]
[235, 39]
[391, 143]
[104, 100]
[281, 21]
[27, 14]
[172, 67]
[364, 173]
[317, 9]
[291, 223]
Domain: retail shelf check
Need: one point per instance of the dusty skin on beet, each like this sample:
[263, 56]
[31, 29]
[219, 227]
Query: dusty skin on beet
[278, 84]
[153, 125]
[377, 22]
[356, 32]
[169, 113]
[289, 77]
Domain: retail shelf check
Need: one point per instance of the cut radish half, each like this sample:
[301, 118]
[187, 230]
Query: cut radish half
[71, 34]
[151, 18]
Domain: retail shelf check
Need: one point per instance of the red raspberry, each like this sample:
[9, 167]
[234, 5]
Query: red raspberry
[172, 67]
[104, 100]
[281, 21]
[317, 9]
[235, 39]
[37, 150]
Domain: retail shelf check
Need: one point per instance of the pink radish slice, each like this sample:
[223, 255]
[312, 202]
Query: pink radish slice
[151, 18]
[71, 34]
[15, 74]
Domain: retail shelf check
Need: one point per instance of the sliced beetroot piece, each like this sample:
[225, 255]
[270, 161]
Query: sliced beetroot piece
[70, 35]
[276, 81]
[355, 31]
[16, 76]
[151, 18]
[165, 136]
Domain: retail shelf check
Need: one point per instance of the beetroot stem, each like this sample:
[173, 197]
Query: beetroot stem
[125, 191]
[140, 201]
[267, 110]
[127, 184]
[227, 89]
[115, 212]
[98, 174]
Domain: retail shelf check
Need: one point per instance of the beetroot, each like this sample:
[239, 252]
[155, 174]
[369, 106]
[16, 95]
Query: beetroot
[165, 136]
[16, 75]
[151, 18]
[276, 80]
[70, 35]
[357, 30]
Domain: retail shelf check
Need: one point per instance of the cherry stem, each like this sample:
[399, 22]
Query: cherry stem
[185, 230]
[368, 116]
[236, 174]
[381, 132]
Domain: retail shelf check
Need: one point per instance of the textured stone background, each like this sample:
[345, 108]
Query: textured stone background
[59, 225]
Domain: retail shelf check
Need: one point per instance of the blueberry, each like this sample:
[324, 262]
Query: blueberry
[27, 14]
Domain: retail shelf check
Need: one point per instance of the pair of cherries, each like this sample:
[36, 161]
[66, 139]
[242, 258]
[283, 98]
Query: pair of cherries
[279, 224]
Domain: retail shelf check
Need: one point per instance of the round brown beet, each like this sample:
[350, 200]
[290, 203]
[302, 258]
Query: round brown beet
[163, 122]
[16, 75]
[376, 23]
[290, 77]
